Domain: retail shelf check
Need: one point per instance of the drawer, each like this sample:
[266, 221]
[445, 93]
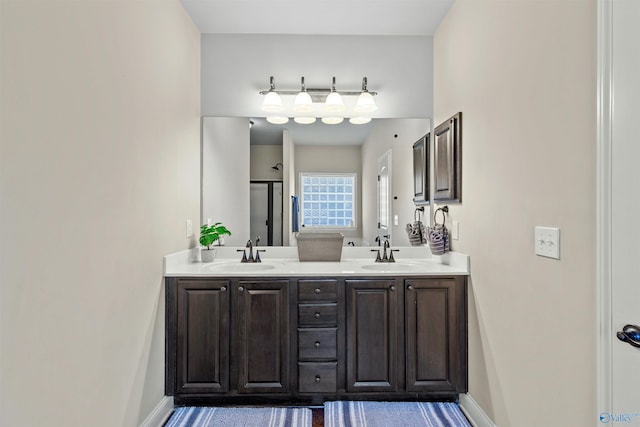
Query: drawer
[317, 377]
[318, 314]
[318, 343]
[318, 290]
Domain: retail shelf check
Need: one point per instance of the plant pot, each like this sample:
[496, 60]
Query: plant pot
[207, 255]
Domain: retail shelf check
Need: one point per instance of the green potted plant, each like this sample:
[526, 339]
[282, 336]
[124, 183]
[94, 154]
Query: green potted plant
[209, 234]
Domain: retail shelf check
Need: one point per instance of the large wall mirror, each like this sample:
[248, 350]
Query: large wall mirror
[251, 168]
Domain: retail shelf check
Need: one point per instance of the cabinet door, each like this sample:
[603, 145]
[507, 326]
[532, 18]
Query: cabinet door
[263, 337]
[202, 356]
[421, 171]
[371, 335]
[435, 335]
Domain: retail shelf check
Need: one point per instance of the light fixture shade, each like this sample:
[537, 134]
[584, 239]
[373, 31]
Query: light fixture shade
[303, 103]
[365, 103]
[304, 120]
[277, 120]
[332, 120]
[272, 102]
[334, 103]
[359, 120]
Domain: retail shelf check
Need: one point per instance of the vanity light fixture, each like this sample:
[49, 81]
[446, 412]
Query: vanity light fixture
[303, 102]
[306, 99]
[272, 102]
[365, 102]
[334, 103]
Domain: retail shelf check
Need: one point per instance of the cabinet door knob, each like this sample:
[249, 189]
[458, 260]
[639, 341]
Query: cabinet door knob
[317, 290]
[410, 287]
[316, 315]
[317, 379]
[392, 288]
[317, 344]
[240, 289]
[223, 289]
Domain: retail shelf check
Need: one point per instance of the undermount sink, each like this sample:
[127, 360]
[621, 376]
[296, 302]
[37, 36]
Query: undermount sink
[390, 266]
[240, 267]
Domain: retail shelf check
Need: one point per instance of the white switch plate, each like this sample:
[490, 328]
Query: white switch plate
[209, 222]
[189, 228]
[395, 220]
[547, 242]
[455, 225]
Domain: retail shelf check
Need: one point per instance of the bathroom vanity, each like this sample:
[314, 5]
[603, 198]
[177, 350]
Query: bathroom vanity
[285, 331]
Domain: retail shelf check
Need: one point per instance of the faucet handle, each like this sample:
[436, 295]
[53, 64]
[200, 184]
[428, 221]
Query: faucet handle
[391, 251]
[244, 255]
[258, 255]
[378, 259]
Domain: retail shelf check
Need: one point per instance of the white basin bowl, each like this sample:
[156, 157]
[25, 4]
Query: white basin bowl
[390, 267]
[241, 267]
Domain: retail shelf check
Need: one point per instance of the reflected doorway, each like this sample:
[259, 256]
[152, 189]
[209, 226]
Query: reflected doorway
[266, 212]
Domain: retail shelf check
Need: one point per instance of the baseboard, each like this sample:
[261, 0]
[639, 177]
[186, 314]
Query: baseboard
[474, 412]
[160, 413]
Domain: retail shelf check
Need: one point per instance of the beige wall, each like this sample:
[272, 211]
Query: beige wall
[397, 135]
[523, 75]
[99, 169]
[263, 158]
[225, 176]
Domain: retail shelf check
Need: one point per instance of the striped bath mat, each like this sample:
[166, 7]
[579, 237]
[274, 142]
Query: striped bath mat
[393, 414]
[240, 417]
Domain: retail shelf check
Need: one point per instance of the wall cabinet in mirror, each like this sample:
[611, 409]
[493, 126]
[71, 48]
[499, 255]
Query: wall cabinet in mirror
[447, 143]
[421, 171]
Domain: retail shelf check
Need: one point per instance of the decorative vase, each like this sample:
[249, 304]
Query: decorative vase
[207, 255]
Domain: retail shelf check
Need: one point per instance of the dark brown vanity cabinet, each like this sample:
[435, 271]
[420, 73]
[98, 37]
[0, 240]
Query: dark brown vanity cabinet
[309, 340]
[201, 339]
[262, 345]
[435, 335]
[372, 331]
[227, 336]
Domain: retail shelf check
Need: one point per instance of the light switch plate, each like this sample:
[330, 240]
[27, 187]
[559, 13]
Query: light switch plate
[189, 228]
[547, 242]
[454, 229]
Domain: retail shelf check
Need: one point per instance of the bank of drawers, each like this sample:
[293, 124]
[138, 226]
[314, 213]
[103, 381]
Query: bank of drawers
[317, 336]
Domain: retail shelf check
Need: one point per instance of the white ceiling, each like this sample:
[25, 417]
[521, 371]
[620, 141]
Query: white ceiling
[321, 17]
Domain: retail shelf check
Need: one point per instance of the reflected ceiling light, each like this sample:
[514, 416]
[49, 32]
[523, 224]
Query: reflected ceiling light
[334, 103]
[332, 120]
[272, 102]
[303, 102]
[277, 120]
[365, 102]
[359, 120]
[304, 120]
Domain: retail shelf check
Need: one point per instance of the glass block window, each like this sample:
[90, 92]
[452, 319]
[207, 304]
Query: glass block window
[327, 200]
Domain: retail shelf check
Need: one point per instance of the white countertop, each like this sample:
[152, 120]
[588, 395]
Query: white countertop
[283, 262]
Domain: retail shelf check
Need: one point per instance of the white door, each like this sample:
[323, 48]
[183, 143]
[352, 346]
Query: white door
[384, 197]
[625, 214]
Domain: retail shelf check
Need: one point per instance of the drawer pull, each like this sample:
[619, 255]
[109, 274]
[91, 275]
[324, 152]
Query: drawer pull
[317, 379]
[392, 288]
[317, 344]
[410, 287]
[317, 290]
[223, 289]
[240, 289]
[316, 315]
